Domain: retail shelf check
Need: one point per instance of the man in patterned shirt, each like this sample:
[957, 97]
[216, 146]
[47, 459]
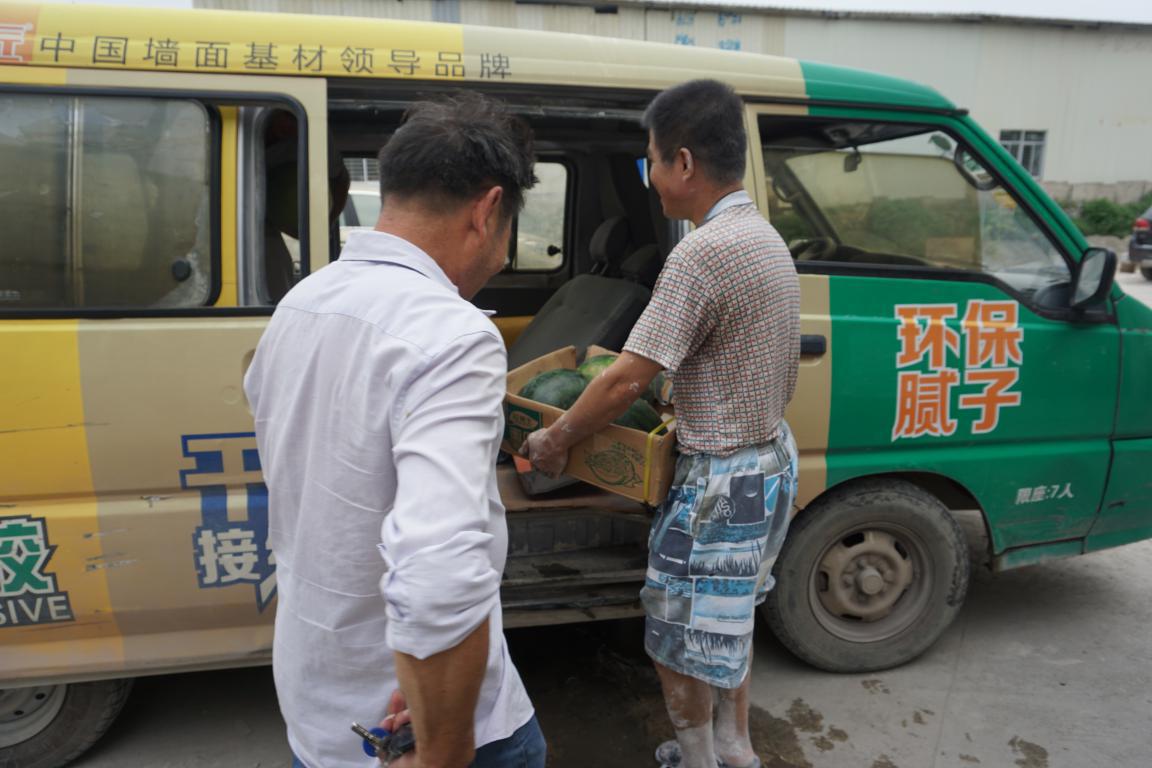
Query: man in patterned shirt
[724, 322]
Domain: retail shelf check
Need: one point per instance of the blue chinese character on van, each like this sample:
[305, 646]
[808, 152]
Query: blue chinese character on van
[231, 544]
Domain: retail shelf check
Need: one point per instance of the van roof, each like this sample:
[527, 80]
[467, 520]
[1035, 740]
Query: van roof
[242, 42]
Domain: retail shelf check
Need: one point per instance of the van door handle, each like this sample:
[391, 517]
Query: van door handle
[813, 345]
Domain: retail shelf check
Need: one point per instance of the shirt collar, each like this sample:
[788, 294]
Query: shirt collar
[730, 200]
[371, 245]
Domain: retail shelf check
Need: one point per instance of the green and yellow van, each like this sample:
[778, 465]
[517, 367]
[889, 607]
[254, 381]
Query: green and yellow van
[165, 175]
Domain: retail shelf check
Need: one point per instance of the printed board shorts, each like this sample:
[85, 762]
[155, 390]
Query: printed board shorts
[713, 543]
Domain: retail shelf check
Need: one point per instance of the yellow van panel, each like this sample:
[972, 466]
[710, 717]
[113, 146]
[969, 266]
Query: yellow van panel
[214, 43]
[526, 56]
[28, 76]
[808, 414]
[46, 504]
[75, 628]
[196, 40]
[229, 285]
[511, 327]
[43, 445]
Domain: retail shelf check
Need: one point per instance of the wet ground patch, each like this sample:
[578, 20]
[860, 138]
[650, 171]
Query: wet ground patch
[599, 703]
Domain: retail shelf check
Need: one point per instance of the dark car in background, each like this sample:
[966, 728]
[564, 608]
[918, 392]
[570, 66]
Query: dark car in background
[1140, 246]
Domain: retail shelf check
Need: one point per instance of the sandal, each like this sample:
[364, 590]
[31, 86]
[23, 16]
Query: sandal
[668, 755]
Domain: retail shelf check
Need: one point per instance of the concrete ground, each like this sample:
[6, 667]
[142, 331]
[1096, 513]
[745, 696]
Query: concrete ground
[1046, 667]
[1135, 285]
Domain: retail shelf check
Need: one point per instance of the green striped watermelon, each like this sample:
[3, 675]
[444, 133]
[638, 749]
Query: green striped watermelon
[594, 366]
[640, 416]
[560, 387]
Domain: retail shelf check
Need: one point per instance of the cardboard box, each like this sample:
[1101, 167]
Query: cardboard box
[626, 461]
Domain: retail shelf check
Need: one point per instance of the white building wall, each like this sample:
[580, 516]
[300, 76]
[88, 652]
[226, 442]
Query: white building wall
[1079, 85]
[1086, 88]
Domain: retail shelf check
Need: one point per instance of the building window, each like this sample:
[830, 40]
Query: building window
[1027, 147]
[362, 168]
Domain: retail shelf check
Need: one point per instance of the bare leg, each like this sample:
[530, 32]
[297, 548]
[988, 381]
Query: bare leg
[732, 741]
[689, 703]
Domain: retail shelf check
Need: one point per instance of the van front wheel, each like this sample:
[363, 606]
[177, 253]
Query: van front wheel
[868, 578]
[1147, 272]
[51, 725]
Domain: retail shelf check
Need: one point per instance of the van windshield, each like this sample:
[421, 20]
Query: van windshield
[901, 195]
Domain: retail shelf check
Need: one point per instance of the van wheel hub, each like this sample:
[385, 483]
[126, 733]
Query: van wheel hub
[864, 575]
[869, 581]
[25, 712]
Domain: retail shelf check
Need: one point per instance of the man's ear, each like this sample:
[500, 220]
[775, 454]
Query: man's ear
[686, 163]
[485, 207]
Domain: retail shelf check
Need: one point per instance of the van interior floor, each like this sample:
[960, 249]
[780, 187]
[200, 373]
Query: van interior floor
[574, 554]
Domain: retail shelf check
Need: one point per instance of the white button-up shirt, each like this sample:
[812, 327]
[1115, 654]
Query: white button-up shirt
[377, 393]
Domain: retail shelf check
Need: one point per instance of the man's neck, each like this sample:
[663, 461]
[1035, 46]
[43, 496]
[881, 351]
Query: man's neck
[419, 228]
[707, 200]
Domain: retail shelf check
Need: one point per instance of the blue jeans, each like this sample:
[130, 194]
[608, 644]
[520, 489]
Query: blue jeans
[523, 749]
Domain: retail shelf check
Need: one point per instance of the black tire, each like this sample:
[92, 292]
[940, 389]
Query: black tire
[1146, 271]
[901, 564]
[55, 724]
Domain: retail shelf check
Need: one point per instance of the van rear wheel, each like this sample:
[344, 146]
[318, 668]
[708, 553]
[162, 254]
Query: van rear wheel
[1147, 272]
[868, 578]
[50, 726]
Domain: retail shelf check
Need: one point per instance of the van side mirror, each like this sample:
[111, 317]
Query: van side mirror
[1094, 278]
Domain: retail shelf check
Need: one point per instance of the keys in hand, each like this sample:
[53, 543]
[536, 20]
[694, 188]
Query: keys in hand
[387, 745]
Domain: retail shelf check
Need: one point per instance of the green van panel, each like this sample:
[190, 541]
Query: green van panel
[826, 82]
[1034, 453]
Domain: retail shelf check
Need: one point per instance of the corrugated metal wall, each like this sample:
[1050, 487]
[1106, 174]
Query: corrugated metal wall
[735, 30]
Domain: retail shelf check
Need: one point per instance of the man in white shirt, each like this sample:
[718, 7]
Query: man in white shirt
[377, 392]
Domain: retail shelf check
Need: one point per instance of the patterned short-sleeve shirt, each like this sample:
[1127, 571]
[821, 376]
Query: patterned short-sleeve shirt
[724, 321]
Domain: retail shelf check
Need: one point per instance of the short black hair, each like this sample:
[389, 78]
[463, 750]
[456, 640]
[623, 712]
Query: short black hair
[707, 118]
[452, 149]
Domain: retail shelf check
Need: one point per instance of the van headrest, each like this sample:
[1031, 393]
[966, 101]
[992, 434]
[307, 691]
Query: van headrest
[643, 266]
[609, 242]
[281, 198]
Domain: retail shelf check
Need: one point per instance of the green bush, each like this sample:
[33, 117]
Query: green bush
[1140, 206]
[1104, 217]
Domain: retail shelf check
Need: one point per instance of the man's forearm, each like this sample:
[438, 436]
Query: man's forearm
[602, 404]
[442, 691]
[604, 400]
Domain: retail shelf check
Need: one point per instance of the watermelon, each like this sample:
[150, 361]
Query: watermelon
[655, 394]
[640, 416]
[560, 387]
[594, 366]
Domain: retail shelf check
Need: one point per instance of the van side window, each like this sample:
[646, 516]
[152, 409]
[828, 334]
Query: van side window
[539, 244]
[275, 254]
[281, 196]
[540, 226]
[898, 194]
[362, 208]
[105, 202]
